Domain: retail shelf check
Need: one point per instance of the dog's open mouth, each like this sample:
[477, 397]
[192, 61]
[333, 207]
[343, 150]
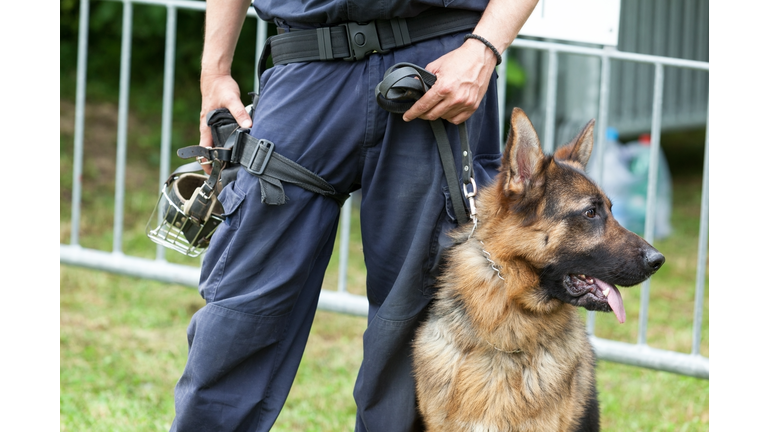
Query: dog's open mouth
[593, 290]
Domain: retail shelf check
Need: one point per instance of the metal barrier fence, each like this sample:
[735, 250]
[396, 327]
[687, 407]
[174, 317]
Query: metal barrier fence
[639, 354]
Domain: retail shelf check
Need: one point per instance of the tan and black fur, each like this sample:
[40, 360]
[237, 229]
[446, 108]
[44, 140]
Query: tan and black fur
[512, 354]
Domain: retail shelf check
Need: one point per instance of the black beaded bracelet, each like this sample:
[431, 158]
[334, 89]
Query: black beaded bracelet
[486, 43]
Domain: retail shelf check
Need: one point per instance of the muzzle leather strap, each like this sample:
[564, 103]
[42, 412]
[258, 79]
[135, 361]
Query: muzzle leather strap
[402, 86]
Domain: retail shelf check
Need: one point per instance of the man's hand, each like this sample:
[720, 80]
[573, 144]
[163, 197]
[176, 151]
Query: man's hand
[223, 22]
[463, 76]
[220, 91]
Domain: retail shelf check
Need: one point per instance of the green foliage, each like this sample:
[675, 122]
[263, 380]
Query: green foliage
[148, 43]
[515, 74]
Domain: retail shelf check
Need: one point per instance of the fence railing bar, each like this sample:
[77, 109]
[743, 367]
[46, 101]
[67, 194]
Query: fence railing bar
[602, 125]
[345, 226]
[167, 116]
[703, 250]
[650, 201]
[651, 358]
[602, 112]
[688, 44]
[180, 4]
[618, 55]
[518, 43]
[357, 305]
[261, 38]
[77, 162]
[122, 125]
[501, 95]
[549, 113]
[702, 51]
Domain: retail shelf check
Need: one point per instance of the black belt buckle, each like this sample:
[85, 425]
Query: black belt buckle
[362, 40]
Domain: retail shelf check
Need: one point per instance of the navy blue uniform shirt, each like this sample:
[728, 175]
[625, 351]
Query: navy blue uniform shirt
[325, 12]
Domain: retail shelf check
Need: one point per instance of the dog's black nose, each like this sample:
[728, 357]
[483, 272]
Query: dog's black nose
[654, 259]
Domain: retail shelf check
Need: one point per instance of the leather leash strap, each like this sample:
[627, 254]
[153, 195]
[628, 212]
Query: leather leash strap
[402, 86]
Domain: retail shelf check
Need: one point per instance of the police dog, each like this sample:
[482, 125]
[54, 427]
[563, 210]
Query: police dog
[503, 347]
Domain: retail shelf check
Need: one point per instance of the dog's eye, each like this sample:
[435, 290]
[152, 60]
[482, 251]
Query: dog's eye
[590, 213]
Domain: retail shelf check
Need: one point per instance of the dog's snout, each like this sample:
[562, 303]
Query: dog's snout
[654, 259]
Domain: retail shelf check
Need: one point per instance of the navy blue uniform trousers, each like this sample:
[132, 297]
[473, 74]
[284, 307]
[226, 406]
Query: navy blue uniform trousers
[262, 274]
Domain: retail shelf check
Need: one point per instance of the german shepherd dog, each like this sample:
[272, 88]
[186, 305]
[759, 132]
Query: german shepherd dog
[503, 347]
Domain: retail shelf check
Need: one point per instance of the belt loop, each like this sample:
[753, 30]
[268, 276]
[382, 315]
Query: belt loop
[265, 148]
[400, 31]
[324, 43]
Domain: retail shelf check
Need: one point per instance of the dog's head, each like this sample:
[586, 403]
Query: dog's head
[562, 225]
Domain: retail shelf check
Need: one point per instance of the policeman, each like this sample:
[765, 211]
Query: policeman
[263, 271]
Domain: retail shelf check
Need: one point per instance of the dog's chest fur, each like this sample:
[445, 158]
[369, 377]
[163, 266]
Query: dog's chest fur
[499, 368]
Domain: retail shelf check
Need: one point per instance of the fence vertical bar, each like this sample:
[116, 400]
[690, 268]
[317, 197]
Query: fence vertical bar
[549, 119]
[703, 251]
[122, 125]
[261, 38]
[602, 120]
[650, 202]
[77, 163]
[501, 94]
[167, 119]
[346, 216]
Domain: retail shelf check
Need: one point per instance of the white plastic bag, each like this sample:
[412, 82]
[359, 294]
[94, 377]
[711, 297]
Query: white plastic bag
[625, 181]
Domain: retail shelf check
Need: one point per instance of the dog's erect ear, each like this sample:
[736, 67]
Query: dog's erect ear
[522, 155]
[580, 148]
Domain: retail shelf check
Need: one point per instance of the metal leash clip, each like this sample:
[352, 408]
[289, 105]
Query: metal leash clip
[471, 198]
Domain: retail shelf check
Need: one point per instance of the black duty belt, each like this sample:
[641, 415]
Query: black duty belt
[354, 41]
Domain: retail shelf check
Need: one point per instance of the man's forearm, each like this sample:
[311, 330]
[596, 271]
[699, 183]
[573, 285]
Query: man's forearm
[502, 20]
[223, 23]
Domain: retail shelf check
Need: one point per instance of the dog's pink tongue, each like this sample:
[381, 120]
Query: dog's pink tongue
[614, 300]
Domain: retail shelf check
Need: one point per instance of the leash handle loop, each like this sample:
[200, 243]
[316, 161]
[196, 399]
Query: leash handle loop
[402, 86]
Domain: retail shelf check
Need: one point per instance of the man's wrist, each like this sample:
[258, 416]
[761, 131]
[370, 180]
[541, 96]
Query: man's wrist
[215, 68]
[488, 45]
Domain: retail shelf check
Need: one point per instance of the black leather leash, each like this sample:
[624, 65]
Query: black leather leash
[402, 86]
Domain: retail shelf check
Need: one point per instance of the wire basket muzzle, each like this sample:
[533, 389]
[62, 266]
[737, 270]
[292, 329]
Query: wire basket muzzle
[185, 216]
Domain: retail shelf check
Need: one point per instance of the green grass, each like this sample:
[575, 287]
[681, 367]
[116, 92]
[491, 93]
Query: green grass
[123, 340]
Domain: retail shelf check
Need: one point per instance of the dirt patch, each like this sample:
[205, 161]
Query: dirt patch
[100, 148]
[99, 138]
